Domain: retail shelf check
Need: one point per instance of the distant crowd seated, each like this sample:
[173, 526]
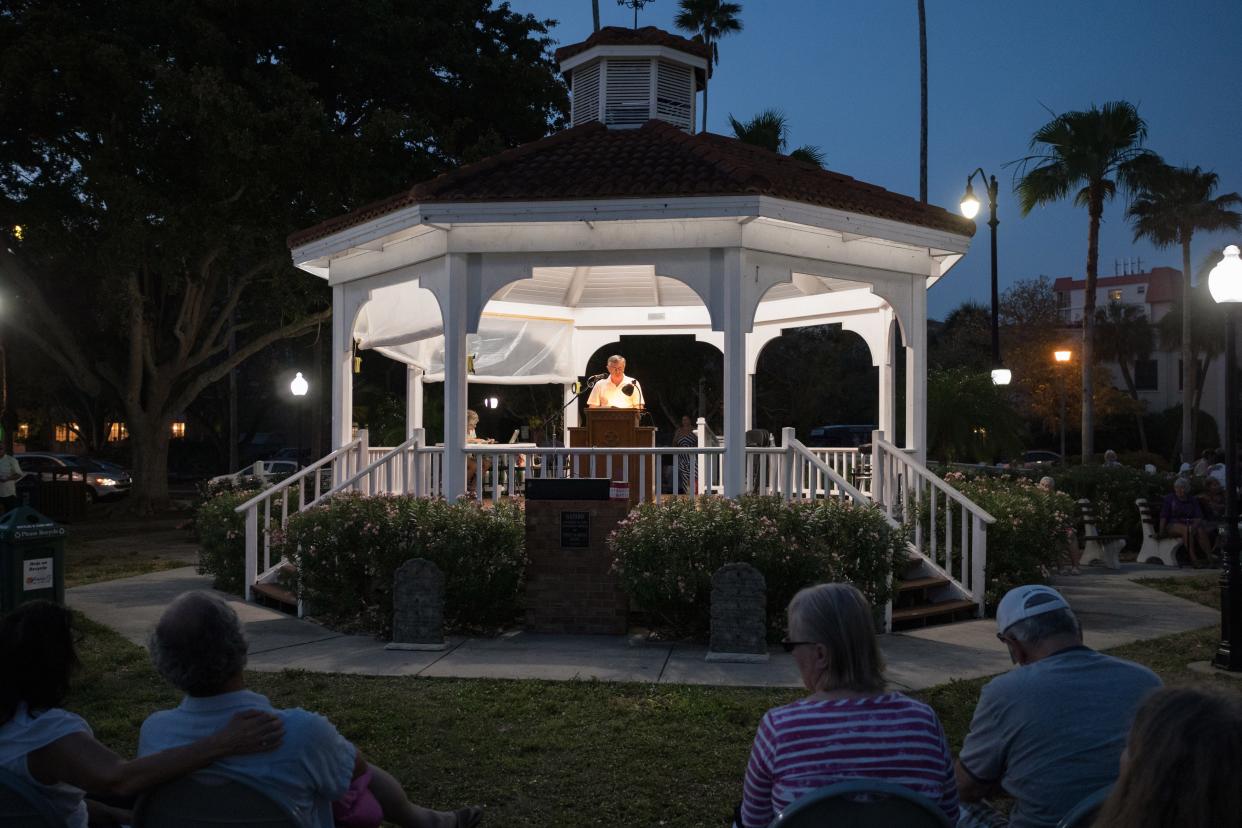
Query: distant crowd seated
[55, 751]
[1181, 516]
[198, 646]
[1051, 731]
[849, 727]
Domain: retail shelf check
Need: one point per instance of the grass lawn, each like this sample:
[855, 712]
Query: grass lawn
[547, 753]
[112, 546]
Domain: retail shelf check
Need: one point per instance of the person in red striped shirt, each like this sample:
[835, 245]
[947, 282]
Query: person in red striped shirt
[849, 728]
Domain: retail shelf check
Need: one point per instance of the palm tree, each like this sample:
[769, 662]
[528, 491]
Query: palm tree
[710, 20]
[1170, 205]
[1125, 338]
[922, 102]
[1086, 155]
[770, 130]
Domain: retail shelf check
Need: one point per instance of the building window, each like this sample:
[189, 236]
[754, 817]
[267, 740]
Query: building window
[117, 432]
[178, 429]
[67, 433]
[1145, 375]
[1142, 289]
[1114, 295]
[23, 432]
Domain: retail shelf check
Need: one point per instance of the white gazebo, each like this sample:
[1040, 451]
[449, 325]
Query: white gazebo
[628, 222]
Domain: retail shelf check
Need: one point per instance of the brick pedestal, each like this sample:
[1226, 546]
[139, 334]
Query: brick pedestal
[571, 588]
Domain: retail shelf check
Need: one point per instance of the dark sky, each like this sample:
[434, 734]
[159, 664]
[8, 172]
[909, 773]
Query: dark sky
[846, 73]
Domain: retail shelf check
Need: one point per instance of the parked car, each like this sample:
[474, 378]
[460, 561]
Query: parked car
[840, 436]
[1040, 457]
[264, 472]
[103, 479]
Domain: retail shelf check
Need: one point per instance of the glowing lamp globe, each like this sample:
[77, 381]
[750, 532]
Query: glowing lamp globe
[299, 386]
[1225, 280]
[1001, 376]
[970, 204]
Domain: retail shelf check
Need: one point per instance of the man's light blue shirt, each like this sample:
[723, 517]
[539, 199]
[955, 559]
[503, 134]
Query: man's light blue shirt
[312, 767]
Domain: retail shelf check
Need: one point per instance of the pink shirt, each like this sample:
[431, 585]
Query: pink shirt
[810, 744]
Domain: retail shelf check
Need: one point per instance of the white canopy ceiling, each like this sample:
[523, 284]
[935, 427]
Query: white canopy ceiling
[526, 332]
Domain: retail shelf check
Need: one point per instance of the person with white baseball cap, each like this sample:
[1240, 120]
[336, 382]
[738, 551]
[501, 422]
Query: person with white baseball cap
[1050, 731]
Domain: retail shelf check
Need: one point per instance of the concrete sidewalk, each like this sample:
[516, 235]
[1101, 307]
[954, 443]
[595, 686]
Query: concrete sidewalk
[1113, 609]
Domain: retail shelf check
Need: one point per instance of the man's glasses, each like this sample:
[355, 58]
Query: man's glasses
[789, 645]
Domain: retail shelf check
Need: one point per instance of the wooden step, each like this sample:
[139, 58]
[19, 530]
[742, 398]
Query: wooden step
[922, 583]
[924, 612]
[276, 593]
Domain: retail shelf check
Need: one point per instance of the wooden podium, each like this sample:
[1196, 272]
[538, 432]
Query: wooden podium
[616, 428]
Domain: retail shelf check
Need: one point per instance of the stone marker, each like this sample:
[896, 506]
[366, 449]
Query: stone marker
[739, 615]
[418, 607]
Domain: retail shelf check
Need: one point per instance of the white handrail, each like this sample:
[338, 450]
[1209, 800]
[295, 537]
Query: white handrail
[903, 487]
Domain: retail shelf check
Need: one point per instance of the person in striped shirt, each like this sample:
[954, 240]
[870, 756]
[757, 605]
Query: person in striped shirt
[849, 727]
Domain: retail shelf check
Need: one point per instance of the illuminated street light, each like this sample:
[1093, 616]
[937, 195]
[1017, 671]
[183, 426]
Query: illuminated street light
[1225, 284]
[970, 209]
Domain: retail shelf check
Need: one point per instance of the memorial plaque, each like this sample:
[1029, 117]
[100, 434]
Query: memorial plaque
[575, 530]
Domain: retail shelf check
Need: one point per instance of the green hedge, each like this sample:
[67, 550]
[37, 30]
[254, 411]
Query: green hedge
[348, 549]
[1028, 539]
[221, 539]
[667, 552]
[1112, 490]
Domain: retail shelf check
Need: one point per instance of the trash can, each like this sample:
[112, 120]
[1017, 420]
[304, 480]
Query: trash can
[32, 558]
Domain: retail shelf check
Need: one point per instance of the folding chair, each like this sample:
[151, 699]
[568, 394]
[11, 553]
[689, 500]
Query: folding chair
[862, 803]
[211, 799]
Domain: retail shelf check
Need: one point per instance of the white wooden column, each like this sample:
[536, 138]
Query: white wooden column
[750, 401]
[452, 289]
[886, 416]
[413, 400]
[726, 270]
[343, 310]
[916, 372]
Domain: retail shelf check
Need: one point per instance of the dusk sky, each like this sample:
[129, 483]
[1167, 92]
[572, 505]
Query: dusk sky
[846, 74]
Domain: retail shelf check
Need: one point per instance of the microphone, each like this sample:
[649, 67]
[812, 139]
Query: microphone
[597, 376]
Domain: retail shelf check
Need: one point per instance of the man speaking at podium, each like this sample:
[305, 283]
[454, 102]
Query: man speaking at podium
[616, 390]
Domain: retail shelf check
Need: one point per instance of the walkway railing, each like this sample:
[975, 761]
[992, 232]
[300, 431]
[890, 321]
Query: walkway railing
[299, 491]
[946, 528]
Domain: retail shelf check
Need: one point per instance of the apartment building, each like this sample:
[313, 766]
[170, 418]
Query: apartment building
[1158, 379]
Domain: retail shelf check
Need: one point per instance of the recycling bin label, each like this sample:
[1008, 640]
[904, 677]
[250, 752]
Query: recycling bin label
[37, 574]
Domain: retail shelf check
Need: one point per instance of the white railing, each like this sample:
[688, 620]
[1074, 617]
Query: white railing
[304, 489]
[946, 528]
[850, 463]
[806, 475]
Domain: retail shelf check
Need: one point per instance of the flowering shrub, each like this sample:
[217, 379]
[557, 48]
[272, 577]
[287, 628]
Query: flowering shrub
[221, 539]
[349, 548]
[667, 552]
[1030, 536]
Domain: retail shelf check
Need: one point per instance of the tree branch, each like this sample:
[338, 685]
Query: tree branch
[195, 386]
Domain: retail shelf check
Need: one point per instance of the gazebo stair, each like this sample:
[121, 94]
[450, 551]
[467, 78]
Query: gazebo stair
[923, 597]
[271, 590]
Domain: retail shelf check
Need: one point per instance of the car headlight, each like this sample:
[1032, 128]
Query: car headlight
[104, 481]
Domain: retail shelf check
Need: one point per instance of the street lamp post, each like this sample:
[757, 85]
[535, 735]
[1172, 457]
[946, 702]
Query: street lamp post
[1062, 358]
[1225, 283]
[970, 208]
[298, 388]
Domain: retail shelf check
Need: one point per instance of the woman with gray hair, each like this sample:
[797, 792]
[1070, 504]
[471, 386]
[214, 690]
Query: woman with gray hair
[1181, 516]
[849, 727]
[199, 647]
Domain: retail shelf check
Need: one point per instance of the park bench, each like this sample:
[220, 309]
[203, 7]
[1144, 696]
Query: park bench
[1096, 546]
[1156, 548]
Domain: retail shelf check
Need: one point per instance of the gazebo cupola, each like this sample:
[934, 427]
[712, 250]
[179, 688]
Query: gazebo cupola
[624, 78]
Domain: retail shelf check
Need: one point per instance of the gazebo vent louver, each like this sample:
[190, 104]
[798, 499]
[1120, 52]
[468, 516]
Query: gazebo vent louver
[626, 77]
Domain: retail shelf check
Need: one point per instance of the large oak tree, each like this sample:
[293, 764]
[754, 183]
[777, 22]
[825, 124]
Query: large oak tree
[157, 152]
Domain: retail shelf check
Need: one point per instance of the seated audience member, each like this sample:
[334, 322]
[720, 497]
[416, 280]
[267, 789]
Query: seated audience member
[849, 728]
[1050, 731]
[1072, 553]
[1182, 517]
[1217, 470]
[1181, 763]
[472, 436]
[54, 750]
[1204, 463]
[198, 647]
[1110, 460]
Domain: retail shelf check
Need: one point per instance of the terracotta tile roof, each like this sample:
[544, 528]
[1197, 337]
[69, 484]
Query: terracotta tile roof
[646, 36]
[591, 162]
